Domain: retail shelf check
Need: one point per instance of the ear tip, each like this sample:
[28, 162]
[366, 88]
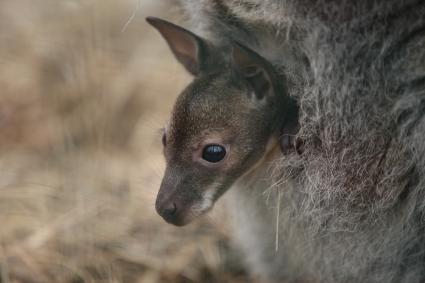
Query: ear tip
[240, 51]
[160, 24]
[238, 46]
[156, 22]
[151, 20]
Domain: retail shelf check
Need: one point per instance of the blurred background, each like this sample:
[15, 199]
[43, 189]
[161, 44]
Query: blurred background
[85, 87]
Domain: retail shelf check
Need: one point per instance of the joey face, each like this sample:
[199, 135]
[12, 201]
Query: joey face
[216, 134]
[222, 124]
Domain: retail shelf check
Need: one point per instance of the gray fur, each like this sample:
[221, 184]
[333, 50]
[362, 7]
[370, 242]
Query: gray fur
[352, 204]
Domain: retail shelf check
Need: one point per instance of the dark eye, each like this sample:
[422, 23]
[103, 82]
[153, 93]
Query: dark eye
[213, 153]
[164, 139]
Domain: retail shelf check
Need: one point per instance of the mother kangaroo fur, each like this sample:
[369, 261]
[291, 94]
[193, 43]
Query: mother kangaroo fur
[351, 206]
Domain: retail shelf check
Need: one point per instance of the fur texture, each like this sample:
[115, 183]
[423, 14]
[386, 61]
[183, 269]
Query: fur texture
[351, 205]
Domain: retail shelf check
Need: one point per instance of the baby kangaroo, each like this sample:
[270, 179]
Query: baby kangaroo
[223, 125]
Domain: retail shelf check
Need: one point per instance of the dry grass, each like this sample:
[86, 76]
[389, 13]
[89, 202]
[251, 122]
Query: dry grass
[83, 94]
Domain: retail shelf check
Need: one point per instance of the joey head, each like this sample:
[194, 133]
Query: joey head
[222, 125]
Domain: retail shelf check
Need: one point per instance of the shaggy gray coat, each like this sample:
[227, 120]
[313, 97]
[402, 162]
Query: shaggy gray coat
[351, 206]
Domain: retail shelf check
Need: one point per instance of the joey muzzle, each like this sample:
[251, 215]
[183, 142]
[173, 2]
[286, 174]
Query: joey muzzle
[169, 206]
[173, 204]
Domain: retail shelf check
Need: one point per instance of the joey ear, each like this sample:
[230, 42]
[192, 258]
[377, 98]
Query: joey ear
[254, 68]
[187, 47]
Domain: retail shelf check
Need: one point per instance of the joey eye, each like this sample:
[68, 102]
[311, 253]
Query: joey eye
[213, 153]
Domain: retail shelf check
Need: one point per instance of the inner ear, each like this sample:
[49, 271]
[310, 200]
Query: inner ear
[254, 69]
[187, 47]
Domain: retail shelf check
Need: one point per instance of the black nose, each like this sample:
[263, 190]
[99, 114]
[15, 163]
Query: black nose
[168, 210]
